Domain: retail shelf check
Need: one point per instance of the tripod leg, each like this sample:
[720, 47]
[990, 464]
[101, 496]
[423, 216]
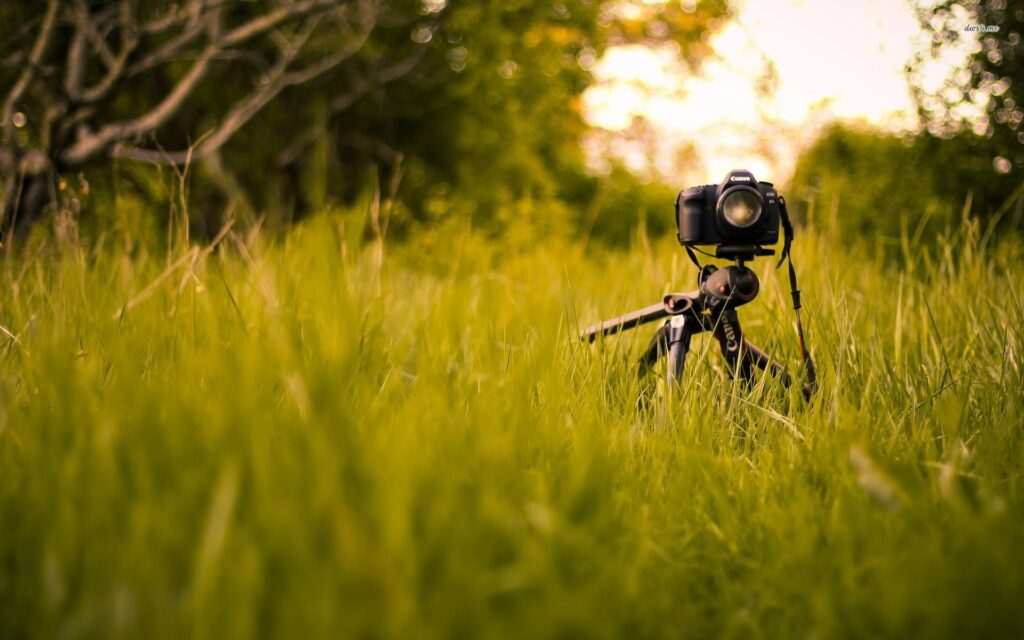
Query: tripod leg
[765, 362]
[730, 339]
[657, 348]
[680, 330]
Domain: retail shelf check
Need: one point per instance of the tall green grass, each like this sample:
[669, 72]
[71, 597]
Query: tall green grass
[307, 437]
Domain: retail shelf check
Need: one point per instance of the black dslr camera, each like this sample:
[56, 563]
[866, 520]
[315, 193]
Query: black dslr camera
[740, 214]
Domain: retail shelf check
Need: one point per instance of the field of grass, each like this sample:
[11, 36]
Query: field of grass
[304, 438]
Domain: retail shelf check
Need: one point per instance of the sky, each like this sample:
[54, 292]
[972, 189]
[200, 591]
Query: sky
[833, 59]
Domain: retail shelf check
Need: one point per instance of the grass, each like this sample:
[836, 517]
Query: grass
[299, 439]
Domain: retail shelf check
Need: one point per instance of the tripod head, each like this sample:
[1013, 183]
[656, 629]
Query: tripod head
[720, 290]
[742, 252]
[730, 286]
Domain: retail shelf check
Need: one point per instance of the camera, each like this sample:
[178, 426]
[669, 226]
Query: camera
[738, 216]
[740, 211]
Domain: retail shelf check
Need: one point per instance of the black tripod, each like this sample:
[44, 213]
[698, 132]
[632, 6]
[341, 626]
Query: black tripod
[711, 308]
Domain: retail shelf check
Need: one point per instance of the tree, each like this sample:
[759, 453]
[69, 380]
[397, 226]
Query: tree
[474, 98]
[99, 80]
[986, 94]
[875, 186]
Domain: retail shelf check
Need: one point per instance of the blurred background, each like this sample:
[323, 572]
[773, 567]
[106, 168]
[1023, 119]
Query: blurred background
[518, 118]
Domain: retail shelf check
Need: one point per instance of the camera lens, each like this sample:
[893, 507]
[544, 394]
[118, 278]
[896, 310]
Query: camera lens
[741, 208]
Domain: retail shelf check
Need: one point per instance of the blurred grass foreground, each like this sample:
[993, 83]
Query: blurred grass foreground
[304, 437]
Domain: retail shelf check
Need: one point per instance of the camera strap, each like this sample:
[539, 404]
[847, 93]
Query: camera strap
[693, 257]
[787, 228]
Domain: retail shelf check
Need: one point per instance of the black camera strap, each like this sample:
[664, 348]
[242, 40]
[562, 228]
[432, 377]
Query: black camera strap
[787, 228]
[693, 257]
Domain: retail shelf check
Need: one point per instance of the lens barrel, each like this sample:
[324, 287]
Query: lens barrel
[740, 207]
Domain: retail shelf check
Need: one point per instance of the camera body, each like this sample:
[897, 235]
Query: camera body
[739, 211]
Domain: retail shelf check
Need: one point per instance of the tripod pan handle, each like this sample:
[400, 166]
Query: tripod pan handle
[627, 321]
[673, 304]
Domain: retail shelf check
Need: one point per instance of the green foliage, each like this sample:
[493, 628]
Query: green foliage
[621, 201]
[992, 79]
[873, 186]
[489, 127]
[302, 438]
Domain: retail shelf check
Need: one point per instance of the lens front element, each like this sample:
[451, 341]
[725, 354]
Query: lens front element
[741, 208]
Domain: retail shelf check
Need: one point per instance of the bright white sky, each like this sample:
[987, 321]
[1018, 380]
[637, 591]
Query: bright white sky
[835, 59]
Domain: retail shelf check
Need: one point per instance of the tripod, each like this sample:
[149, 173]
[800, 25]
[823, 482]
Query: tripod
[712, 308]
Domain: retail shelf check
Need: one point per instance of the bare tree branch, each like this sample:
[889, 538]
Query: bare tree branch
[9, 185]
[265, 23]
[239, 35]
[392, 73]
[75, 119]
[14, 177]
[87, 146]
[54, 110]
[14, 60]
[169, 50]
[100, 90]
[272, 84]
[298, 145]
[76, 58]
[24, 29]
[91, 143]
[75, 64]
[88, 28]
[127, 18]
[374, 145]
[36, 55]
[104, 45]
[174, 18]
